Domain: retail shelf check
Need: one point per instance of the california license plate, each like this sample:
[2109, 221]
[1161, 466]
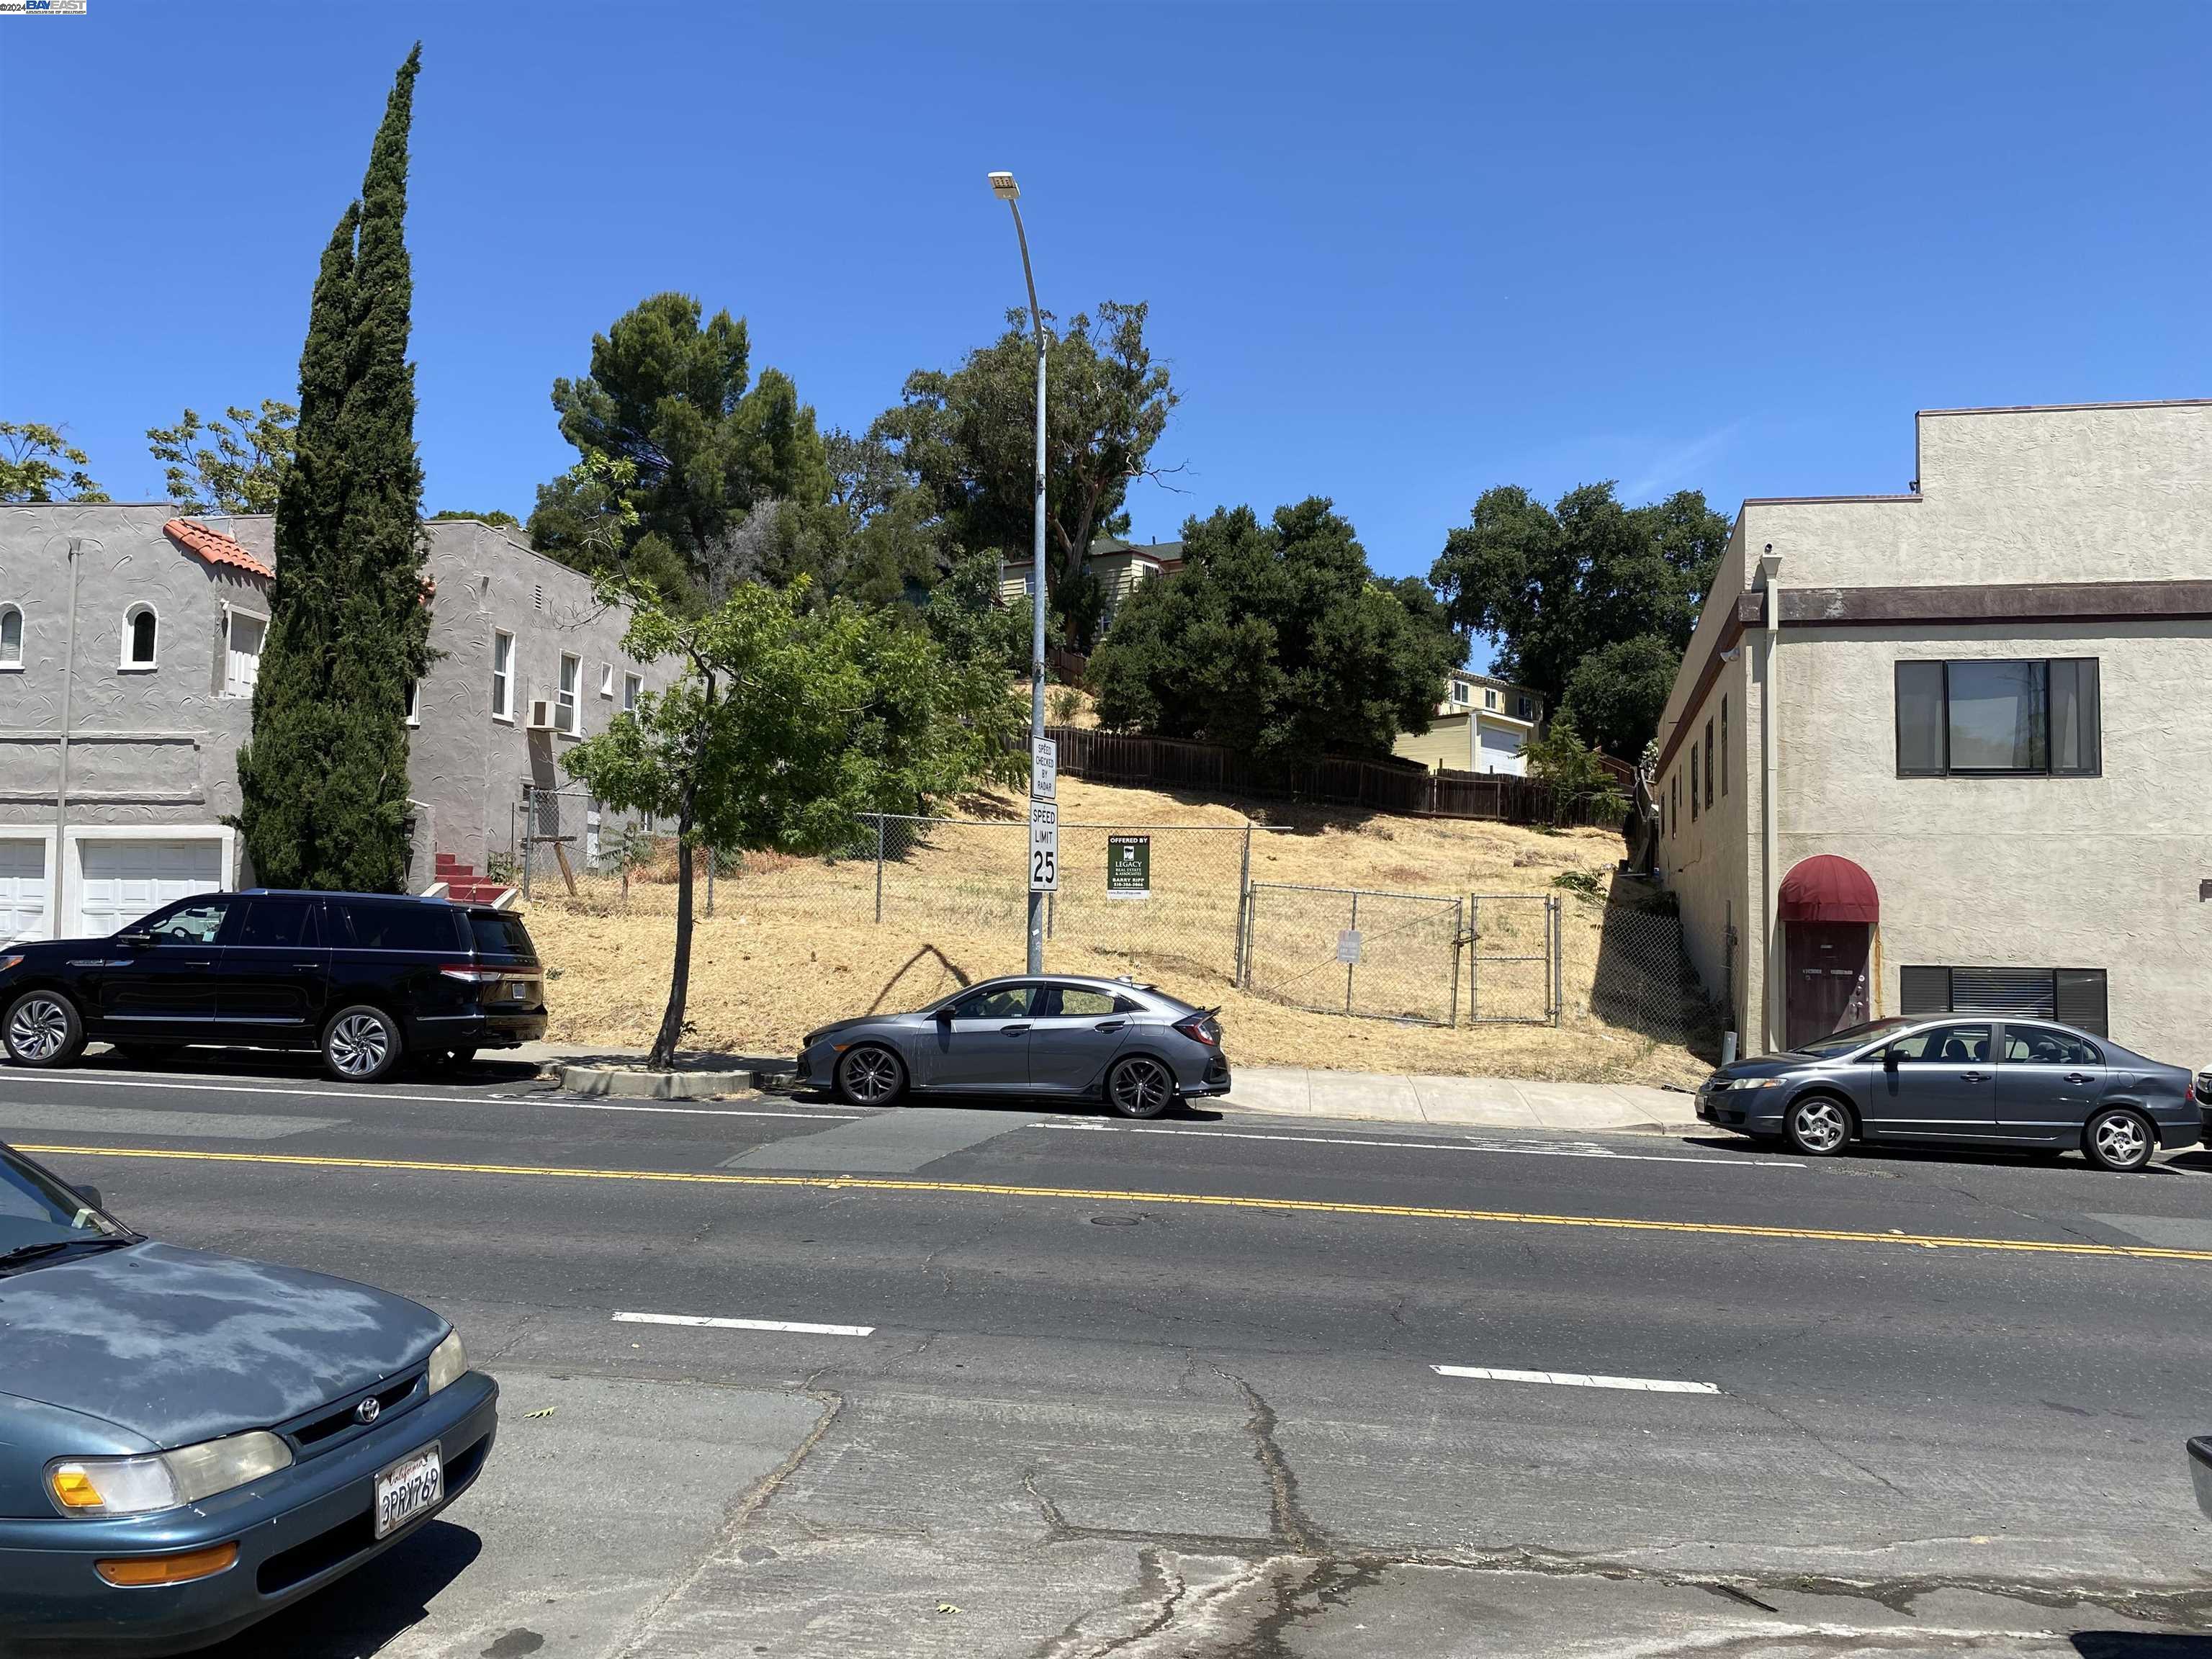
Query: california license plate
[406, 1489]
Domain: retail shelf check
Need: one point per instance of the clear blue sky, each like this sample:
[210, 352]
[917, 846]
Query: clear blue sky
[1395, 254]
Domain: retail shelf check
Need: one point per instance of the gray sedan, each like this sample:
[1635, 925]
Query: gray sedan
[1132, 1045]
[1968, 1079]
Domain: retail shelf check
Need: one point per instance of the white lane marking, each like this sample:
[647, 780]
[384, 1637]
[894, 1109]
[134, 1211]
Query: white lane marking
[799, 1326]
[1437, 1145]
[1575, 1380]
[218, 1085]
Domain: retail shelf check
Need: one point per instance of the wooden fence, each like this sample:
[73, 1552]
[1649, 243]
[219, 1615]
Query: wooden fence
[1381, 785]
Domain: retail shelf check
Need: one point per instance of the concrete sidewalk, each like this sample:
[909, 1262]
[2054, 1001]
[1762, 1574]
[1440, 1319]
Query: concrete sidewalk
[1308, 1092]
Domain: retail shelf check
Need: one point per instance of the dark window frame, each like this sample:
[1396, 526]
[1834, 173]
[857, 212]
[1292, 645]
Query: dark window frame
[1693, 783]
[1709, 765]
[1724, 770]
[2070, 990]
[2050, 766]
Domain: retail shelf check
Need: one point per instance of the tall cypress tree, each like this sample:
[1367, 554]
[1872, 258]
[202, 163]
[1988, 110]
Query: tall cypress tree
[324, 776]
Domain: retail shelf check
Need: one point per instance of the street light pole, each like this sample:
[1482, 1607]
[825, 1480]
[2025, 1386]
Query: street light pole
[1002, 186]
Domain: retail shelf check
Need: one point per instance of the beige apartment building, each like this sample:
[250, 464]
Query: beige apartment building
[1482, 724]
[1952, 749]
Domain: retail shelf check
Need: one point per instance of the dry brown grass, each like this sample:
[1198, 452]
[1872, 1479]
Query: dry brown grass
[793, 944]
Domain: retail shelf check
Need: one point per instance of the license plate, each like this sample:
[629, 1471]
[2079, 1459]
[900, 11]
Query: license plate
[406, 1489]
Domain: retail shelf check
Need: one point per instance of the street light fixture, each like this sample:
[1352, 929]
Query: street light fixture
[1004, 188]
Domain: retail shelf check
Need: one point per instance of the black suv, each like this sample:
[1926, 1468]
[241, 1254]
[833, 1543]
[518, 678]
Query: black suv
[365, 977]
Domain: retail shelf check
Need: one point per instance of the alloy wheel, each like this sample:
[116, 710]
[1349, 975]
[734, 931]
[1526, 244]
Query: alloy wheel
[359, 1044]
[1820, 1125]
[39, 1030]
[1140, 1088]
[2120, 1140]
[870, 1075]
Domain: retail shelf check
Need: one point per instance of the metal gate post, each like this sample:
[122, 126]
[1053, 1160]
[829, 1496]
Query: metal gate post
[529, 839]
[1559, 973]
[879, 866]
[1251, 916]
[1474, 958]
[1349, 966]
[1459, 914]
[1243, 891]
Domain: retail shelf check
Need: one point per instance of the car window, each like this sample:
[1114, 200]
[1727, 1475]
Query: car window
[1081, 1002]
[1127, 1006]
[1850, 1038]
[35, 1210]
[194, 923]
[500, 935]
[2039, 1045]
[396, 924]
[1944, 1045]
[1003, 1002]
[272, 923]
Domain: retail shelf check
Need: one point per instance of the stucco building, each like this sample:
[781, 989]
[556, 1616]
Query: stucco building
[1951, 749]
[1481, 725]
[129, 641]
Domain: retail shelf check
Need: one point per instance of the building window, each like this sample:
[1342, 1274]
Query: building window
[11, 637]
[242, 664]
[2071, 996]
[1528, 708]
[1709, 765]
[1489, 696]
[606, 679]
[141, 635]
[1989, 718]
[1693, 783]
[414, 703]
[1675, 789]
[565, 703]
[1459, 691]
[502, 676]
[633, 688]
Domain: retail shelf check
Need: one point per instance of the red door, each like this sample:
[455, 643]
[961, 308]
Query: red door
[1827, 967]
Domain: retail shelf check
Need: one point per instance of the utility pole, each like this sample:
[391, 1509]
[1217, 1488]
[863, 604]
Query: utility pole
[1004, 188]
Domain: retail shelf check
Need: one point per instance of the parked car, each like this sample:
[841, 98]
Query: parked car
[1134, 1046]
[1965, 1080]
[190, 1442]
[365, 977]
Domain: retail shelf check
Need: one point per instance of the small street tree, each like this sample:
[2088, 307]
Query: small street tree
[324, 778]
[1574, 770]
[36, 461]
[788, 723]
[239, 469]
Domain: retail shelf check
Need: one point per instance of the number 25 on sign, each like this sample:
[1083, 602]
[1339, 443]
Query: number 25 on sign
[1044, 846]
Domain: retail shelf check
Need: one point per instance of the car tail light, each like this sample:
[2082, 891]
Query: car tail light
[469, 974]
[1201, 1028]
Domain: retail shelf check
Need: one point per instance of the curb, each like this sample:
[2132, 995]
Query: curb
[622, 1083]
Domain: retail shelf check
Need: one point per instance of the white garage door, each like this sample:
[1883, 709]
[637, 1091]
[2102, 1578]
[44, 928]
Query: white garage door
[1501, 751]
[124, 879]
[23, 890]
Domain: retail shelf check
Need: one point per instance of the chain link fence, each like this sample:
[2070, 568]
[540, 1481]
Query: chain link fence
[1642, 980]
[1513, 959]
[1348, 951]
[562, 840]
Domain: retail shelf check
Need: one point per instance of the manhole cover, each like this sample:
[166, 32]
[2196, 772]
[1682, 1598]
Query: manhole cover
[1114, 1220]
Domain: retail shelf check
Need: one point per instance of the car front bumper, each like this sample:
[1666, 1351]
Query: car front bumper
[1731, 1109]
[296, 1531]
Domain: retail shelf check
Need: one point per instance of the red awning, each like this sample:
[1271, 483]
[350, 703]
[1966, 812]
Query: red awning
[1829, 888]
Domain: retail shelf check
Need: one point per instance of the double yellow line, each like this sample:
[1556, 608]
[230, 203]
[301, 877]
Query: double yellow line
[1112, 1195]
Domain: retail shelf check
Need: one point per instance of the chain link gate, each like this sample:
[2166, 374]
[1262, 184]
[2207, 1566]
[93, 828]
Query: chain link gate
[1351, 951]
[1513, 971]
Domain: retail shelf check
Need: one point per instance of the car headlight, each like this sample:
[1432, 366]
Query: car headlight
[1757, 1083]
[449, 1362]
[98, 1487]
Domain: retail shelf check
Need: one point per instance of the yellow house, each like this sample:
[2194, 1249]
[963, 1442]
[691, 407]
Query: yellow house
[1120, 566]
[1480, 725]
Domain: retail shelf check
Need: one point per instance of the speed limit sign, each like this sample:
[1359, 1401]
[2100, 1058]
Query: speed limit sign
[1044, 846]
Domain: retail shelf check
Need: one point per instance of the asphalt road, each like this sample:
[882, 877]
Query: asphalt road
[1061, 1387]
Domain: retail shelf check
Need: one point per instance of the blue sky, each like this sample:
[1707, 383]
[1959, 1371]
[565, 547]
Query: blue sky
[1395, 254]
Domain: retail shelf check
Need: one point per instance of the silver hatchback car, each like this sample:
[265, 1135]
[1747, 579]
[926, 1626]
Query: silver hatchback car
[1132, 1045]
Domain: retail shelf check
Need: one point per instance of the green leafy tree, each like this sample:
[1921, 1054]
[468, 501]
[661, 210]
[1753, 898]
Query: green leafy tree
[1276, 638]
[789, 720]
[35, 461]
[239, 469]
[495, 518]
[970, 624]
[968, 435]
[1550, 585]
[325, 775]
[1574, 771]
[675, 400]
[1617, 692]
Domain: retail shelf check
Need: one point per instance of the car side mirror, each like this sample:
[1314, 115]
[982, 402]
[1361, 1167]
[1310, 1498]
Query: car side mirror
[135, 941]
[89, 1195]
[944, 1013]
[1889, 1059]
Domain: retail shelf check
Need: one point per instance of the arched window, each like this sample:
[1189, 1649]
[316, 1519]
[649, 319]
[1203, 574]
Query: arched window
[11, 637]
[141, 635]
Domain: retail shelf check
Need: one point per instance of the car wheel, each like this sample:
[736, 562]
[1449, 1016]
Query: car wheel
[1819, 1126]
[1140, 1087]
[43, 1030]
[870, 1075]
[2121, 1140]
[361, 1045]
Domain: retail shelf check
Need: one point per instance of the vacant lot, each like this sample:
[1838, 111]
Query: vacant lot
[796, 942]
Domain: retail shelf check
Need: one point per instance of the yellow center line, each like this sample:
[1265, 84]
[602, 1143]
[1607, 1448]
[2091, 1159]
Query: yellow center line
[1110, 1195]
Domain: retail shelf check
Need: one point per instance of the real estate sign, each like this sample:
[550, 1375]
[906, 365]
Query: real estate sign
[1129, 867]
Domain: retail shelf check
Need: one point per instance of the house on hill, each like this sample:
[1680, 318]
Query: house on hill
[1481, 725]
[1119, 567]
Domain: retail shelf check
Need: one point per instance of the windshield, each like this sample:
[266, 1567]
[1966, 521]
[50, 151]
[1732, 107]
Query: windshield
[1852, 1036]
[37, 1212]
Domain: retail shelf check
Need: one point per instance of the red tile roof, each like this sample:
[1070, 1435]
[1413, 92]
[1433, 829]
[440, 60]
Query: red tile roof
[215, 548]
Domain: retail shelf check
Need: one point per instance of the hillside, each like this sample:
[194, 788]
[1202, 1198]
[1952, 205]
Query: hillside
[794, 942]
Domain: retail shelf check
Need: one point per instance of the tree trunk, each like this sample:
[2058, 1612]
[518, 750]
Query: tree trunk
[663, 1057]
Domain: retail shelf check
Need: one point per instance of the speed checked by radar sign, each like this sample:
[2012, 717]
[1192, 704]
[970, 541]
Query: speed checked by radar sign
[1044, 846]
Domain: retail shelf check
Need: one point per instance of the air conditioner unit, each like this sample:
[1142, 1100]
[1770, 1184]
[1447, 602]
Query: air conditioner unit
[541, 714]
